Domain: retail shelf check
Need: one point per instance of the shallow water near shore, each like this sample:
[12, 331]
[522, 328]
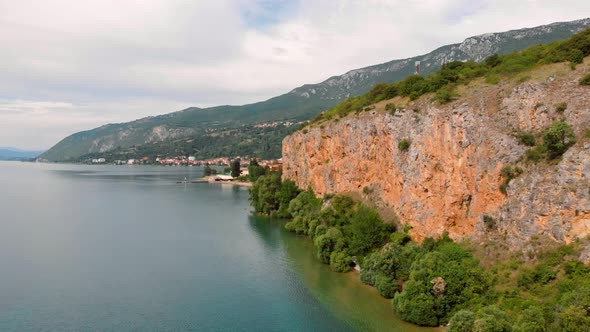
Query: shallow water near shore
[127, 248]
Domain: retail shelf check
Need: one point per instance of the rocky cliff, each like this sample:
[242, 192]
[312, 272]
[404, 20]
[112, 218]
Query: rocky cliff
[449, 179]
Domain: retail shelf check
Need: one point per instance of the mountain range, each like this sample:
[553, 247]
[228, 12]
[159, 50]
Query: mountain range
[257, 129]
[9, 153]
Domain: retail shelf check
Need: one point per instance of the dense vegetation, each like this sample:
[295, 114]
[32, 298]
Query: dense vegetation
[439, 281]
[557, 139]
[443, 82]
[261, 142]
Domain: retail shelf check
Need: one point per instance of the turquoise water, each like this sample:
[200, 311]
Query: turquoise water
[127, 249]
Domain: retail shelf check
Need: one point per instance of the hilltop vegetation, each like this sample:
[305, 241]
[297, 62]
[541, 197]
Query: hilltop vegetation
[438, 282]
[443, 82]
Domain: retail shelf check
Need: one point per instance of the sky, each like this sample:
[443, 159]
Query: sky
[67, 66]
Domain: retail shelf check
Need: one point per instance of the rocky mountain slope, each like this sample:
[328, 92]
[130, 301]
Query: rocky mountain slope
[451, 176]
[298, 105]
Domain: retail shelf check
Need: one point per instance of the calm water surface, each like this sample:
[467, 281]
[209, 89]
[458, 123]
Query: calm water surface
[127, 249]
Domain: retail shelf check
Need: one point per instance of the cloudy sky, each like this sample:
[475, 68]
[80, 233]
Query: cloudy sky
[72, 65]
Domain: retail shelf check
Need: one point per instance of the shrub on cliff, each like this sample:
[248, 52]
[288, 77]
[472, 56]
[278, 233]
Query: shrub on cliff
[536, 154]
[527, 139]
[558, 138]
[391, 108]
[444, 96]
[561, 107]
[585, 80]
[404, 144]
[508, 173]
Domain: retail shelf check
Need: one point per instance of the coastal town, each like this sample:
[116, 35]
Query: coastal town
[212, 175]
[272, 164]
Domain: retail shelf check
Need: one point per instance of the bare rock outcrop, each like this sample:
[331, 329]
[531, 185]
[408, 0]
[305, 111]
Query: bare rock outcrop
[450, 176]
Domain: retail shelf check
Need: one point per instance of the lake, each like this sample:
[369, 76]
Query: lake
[126, 248]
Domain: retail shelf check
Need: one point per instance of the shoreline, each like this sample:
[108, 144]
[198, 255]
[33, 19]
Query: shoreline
[211, 179]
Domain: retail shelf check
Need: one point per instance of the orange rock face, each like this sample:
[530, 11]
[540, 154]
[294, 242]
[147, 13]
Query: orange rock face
[450, 176]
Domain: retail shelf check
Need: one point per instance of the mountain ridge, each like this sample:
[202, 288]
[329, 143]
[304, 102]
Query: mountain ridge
[10, 153]
[180, 129]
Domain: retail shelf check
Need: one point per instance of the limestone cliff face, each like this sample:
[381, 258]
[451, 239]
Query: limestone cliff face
[450, 176]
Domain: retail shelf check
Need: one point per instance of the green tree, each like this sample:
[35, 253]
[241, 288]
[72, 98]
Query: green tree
[558, 138]
[367, 230]
[264, 194]
[288, 192]
[340, 261]
[531, 320]
[415, 304]
[235, 168]
[493, 60]
[255, 170]
[462, 321]
[325, 244]
[575, 56]
[386, 286]
[575, 315]
[492, 319]
[305, 203]
[449, 277]
[574, 318]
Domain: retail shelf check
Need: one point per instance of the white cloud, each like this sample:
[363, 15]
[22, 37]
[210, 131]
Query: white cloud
[86, 63]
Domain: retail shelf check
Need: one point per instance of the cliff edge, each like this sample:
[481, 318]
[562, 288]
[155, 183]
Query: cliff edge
[450, 177]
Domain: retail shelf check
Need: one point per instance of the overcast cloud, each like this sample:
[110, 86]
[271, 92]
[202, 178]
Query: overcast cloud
[73, 65]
